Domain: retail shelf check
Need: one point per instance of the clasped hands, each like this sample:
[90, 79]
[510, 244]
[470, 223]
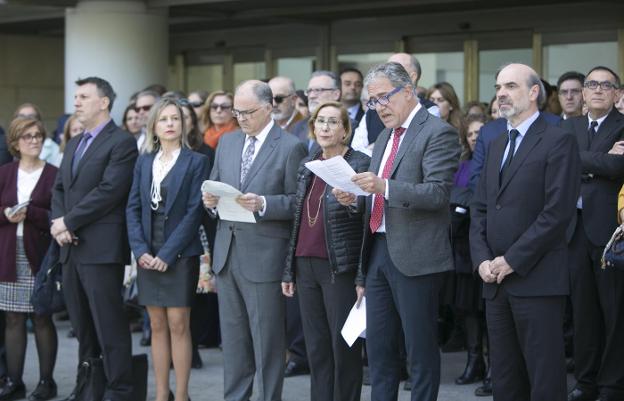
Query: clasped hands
[494, 270]
[368, 182]
[17, 217]
[250, 201]
[60, 232]
[147, 261]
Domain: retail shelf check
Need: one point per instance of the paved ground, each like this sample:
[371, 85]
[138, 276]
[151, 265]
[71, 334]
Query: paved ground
[207, 384]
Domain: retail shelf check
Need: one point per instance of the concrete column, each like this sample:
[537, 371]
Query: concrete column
[120, 41]
[471, 70]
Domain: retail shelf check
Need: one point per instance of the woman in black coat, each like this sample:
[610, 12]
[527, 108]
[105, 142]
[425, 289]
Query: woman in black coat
[323, 257]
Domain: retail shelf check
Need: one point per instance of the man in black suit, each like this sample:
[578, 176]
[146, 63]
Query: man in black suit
[352, 83]
[524, 200]
[88, 221]
[597, 294]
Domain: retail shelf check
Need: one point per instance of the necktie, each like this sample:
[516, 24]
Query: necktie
[378, 202]
[513, 135]
[591, 133]
[80, 152]
[247, 158]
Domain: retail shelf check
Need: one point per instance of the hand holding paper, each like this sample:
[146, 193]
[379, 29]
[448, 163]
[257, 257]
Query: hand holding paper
[337, 173]
[224, 198]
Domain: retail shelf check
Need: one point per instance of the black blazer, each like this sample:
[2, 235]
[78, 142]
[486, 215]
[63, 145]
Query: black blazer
[94, 201]
[524, 218]
[603, 175]
[183, 208]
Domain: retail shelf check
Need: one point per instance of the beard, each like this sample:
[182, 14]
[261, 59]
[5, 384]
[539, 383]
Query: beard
[508, 109]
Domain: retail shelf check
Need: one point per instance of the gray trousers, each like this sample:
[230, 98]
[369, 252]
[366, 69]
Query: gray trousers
[252, 317]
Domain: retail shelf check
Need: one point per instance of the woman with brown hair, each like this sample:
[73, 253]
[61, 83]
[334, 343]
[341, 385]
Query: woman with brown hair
[444, 96]
[217, 117]
[24, 240]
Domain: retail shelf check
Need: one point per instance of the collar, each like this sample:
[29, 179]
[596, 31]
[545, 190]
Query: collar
[263, 134]
[95, 131]
[524, 126]
[410, 117]
[599, 121]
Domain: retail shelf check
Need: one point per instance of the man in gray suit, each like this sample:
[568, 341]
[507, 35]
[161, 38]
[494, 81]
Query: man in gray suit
[406, 241]
[262, 161]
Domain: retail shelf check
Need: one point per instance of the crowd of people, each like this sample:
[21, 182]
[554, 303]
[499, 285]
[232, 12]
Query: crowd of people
[482, 230]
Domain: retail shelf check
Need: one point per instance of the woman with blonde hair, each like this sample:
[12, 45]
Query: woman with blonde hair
[217, 117]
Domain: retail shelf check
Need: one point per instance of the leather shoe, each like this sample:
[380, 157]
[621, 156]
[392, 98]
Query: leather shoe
[485, 390]
[12, 390]
[196, 361]
[146, 338]
[295, 369]
[46, 390]
[578, 394]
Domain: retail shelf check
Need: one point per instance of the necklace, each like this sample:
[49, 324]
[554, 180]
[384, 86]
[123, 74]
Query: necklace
[312, 220]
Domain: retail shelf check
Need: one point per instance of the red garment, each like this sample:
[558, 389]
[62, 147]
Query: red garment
[212, 134]
[36, 226]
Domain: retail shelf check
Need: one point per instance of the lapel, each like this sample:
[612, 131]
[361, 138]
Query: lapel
[267, 148]
[604, 137]
[102, 137]
[235, 159]
[410, 136]
[581, 128]
[177, 176]
[378, 150]
[146, 177]
[68, 158]
[531, 138]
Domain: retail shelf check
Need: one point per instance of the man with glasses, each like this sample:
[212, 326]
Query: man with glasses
[285, 113]
[261, 160]
[144, 102]
[351, 81]
[406, 245]
[570, 92]
[324, 86]
[597, 294]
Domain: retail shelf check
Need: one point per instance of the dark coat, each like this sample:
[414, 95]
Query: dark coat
[343, 226]
[36, 235]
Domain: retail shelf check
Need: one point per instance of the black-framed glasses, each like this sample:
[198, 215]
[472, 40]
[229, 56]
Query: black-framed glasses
[278, 99]
[316, 91]
[32, 137]
[331, 122]
[144, 108]
[195, 104]
[382, 100]
[604, 85]
[222, 106]
[243, 114]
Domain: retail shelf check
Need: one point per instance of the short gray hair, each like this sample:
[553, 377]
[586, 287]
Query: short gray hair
[534, 79]
[394, 72]
[260, 89]
[149, 92]
[324, 73]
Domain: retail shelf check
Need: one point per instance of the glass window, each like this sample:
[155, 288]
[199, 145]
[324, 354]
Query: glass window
[489, 63]
[298, 69]
[245, 71]
[204, 77]
[442, 67]
[579, 57]
[362, 61]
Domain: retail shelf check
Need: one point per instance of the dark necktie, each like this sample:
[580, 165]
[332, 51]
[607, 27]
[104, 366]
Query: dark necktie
[247, 158]
[378, 204]
[591, 133]
[80, 152]
[513, 135]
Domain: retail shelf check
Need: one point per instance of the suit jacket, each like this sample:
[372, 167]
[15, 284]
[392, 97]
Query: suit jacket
[36, 234]
[487, 134]
[603, 175]
[417, 208]
[358, 117]
[183, 207]
[261, 247]
[298, 117]
[93, 202]
[5, 156]
[524, 217]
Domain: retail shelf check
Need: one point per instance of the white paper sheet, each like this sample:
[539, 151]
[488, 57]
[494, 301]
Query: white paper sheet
[337, 173]
[227, 207]
[355, 326]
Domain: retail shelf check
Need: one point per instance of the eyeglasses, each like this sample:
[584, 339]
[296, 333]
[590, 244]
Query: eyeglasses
[317, 91]
[224, 107]
[278, 99]
[383, 100]
[604, 85]
[144, 108]
[567, 92]
[32, 137]
[243, 114]
[331, 122]
[195, 104]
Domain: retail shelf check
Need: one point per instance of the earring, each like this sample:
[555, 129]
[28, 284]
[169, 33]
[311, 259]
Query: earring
[155, 139]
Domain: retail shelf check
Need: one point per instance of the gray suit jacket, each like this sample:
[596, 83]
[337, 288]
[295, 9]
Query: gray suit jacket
[417, 208]
[261, 247]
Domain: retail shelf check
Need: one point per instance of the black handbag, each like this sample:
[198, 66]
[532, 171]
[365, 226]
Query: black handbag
[613, 254]
[47, 297]
[91, 383]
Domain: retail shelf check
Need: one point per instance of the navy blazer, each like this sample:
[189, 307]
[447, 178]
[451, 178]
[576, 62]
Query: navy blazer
[183, 207]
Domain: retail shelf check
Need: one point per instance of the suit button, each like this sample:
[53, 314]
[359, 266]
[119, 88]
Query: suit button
[405, 204]
[498, 207]
[166, 217]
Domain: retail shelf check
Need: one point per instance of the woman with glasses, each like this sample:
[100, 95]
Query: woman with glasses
[163, 216]
[322, 260]
[197, 100]
[24, 240]
[444, 96]
[50, 151]
[217, 117]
